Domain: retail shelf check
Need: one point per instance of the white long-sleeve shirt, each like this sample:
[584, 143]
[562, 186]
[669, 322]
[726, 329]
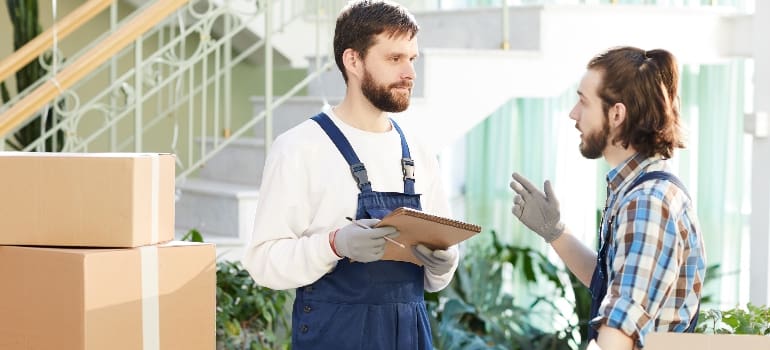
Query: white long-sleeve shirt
[307, 191]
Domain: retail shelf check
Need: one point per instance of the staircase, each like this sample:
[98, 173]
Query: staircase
[462, 77]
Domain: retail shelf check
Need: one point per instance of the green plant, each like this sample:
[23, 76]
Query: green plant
[24, 18]
[582, 306]
[751, 320]
[475, 311]
[248, 316]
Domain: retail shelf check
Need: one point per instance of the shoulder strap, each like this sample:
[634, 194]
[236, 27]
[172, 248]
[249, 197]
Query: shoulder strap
[657, 175]
[343, 145]
[407, 164]
[356, 167]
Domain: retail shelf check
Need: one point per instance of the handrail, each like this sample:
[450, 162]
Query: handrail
[35, 47]
[248, 126]
[165, 89]
[119, 116]
[150, 17]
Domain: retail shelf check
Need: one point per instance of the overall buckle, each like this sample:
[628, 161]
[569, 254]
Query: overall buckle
[359, 174]
[407, 168]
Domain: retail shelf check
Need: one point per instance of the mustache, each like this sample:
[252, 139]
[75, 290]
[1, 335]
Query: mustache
[404, 84]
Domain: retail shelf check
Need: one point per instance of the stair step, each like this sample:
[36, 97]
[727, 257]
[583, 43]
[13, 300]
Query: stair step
[216, 208]
[228, 248]
[291, 113]
[240, 163]
[219, 188]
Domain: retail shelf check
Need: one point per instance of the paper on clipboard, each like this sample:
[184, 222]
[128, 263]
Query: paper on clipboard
[434, 232]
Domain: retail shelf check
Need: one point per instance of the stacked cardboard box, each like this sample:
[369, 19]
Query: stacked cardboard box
[86, 258]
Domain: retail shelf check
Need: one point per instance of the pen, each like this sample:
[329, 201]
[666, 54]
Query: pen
[367, 227]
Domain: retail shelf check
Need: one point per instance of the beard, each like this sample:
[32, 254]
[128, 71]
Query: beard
[382, 97]
[594, 143]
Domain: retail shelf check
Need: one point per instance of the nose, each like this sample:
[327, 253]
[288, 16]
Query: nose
[409, 72]
[573, 114]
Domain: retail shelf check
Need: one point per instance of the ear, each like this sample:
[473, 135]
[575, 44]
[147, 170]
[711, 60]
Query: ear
[617, 114]
[353, 63]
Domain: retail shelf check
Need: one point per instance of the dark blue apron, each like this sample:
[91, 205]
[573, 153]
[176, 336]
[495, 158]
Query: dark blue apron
[600, 278]
[376, 305]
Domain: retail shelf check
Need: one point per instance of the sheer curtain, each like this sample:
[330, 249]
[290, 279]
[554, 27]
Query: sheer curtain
[713, 165]
[512, 139]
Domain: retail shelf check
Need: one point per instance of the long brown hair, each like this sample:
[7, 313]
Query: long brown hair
[360, 21]
[646, 82]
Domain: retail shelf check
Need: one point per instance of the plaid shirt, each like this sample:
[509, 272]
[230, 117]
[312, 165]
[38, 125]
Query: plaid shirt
[656, 260]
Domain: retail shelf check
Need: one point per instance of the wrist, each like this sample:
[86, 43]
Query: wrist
[557, 232]
[332, 236]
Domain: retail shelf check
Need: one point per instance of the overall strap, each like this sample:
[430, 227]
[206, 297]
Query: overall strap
[341, 142]
[658, 175]
[662, 175]
[407, 164]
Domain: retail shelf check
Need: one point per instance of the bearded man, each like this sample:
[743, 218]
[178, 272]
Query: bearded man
[346, 297]
[648, 273]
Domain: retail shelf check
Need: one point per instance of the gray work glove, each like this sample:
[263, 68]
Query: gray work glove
[363, 244]
[438, 261]
[537, 210]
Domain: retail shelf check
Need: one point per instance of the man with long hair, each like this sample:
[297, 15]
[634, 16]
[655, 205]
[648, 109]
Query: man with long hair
[648, 273]
[352, 160]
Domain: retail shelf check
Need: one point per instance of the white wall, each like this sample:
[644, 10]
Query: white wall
[760, 183]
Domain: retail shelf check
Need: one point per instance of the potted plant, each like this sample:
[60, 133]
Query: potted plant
[24, 19]
[475, 311]
[750, 320]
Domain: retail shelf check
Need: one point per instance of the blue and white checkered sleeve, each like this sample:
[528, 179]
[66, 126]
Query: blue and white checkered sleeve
[644, 268]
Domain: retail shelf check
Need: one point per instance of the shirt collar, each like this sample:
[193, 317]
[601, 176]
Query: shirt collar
[629, 169]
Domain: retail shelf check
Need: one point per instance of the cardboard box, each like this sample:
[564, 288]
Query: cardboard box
[86, 200]
[150, 298]
[668, 341]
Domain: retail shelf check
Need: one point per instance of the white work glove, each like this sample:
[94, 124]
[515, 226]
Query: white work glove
[438, 261]
[537, 210]
[363, 244]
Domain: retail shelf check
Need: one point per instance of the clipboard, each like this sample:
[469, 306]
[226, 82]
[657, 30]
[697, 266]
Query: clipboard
[434, 232]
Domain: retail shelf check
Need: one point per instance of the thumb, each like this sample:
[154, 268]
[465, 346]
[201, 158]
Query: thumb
[418, 253]
[368, 222]
[380, 232]
[423, 250]
[549, 195]
[443, 255]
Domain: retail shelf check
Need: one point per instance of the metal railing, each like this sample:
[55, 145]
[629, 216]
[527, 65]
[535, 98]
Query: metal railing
[178, 73]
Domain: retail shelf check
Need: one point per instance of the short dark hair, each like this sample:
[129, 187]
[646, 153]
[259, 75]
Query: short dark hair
[360, 21]
[646, 82]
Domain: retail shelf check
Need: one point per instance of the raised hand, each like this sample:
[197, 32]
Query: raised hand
[537, 210]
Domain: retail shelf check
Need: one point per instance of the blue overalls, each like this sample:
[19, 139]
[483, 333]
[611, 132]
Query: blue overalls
[600, 278]
[376, 305]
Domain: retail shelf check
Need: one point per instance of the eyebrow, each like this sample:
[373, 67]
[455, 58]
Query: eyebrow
[401, 54]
